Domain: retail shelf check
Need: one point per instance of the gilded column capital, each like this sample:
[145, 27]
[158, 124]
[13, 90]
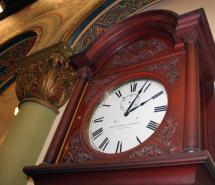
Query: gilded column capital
[46, 77]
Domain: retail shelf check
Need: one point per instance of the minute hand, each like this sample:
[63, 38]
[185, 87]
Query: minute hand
[143, 103]
[127, 111]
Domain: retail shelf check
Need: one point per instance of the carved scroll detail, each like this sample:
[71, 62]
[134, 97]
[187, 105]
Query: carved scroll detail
[165, 143]
[75, 151]
[98, 85]
[136, 52]
[168, 68]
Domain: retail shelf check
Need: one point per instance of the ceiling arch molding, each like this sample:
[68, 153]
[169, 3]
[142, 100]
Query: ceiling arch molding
[105, 15]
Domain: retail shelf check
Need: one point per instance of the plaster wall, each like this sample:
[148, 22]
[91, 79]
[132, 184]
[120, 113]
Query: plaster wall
[184, 6]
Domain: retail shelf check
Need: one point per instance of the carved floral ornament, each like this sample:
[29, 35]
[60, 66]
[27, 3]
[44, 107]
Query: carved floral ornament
[167, 142]
[136, 52]
[46, 77]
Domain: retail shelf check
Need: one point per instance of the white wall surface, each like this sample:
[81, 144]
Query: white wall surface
[184, 6]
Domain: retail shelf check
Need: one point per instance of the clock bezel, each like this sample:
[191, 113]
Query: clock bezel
[122, 78]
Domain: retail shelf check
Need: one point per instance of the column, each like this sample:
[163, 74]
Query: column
[192, 137]
[44, 83]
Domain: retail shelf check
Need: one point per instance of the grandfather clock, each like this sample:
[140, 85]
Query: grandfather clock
[142, 112]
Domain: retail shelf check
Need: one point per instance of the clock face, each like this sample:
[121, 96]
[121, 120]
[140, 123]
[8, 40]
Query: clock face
[127, 116]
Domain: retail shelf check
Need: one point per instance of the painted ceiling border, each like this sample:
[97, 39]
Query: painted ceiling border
[87, 29]
[90, 18]
[11, 51]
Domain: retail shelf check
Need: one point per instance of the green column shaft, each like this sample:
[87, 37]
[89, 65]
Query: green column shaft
[24, 142]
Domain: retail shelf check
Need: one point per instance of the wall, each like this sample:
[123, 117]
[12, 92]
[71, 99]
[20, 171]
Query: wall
[10, 52]
[183, 6]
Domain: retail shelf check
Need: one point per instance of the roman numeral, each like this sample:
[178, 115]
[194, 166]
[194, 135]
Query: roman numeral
[156, 95]
[118, 93]
[97, 133]
[152, 125]
[104, 144]
[160, 108]
[97, 120]
[106, 105]
[133, 86]
[119, 147]
[138, 140]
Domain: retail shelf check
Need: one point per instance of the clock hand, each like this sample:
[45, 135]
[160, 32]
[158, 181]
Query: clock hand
[127, 111]
[131, 110]
[143, 103]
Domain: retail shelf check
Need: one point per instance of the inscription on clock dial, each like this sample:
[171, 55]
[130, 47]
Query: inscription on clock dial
[127, 116]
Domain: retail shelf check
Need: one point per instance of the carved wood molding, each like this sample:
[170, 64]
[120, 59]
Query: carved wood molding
[46, 76]
[168, 68]
[75, 151]
[166, 142]
[135, 53]
[192, 36]
[97, 85]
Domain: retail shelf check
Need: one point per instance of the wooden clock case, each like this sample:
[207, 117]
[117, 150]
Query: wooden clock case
[179, 52]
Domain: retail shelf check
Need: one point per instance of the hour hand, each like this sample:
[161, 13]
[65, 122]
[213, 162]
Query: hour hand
[143, 103]
[127, 113]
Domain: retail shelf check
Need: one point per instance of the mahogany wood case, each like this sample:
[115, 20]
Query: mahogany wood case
[177, 51]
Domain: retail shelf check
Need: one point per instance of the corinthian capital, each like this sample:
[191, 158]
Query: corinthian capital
[46, 77]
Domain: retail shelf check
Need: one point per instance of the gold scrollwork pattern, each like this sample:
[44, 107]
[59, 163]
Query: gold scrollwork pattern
[46, 77]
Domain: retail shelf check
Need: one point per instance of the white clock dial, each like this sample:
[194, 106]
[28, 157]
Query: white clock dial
[127, 116]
